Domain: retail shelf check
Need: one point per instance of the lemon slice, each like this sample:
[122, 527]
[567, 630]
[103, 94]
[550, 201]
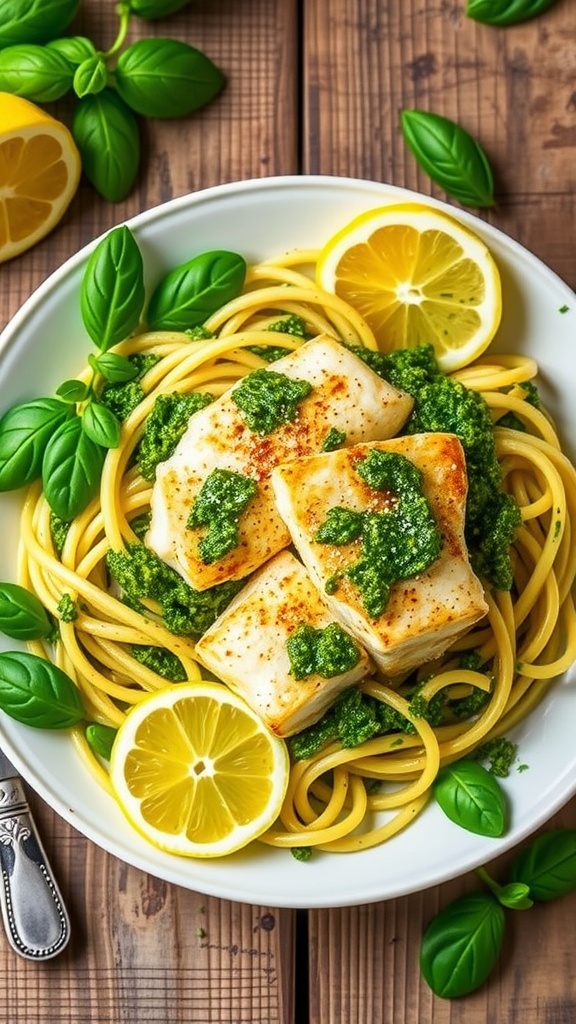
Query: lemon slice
[39, 173]
[417, 276]
[197, 772]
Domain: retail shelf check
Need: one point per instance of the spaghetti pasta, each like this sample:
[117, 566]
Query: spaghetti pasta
[528, 639]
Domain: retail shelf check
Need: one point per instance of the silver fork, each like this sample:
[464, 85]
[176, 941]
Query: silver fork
[35, 918]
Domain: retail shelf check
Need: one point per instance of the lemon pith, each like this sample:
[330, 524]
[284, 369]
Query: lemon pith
[417, 276]
[196, 772]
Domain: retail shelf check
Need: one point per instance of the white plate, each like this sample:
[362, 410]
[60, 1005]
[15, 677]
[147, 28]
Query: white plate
[45, 343]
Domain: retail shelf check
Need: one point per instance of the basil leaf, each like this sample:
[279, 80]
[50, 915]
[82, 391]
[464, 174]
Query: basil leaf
[461, 945]
[548, 865]
[34, 21]
[471, 797]
[107, 135]
[166, 78]
[506, 12]
[451, 157]
[112, 291]
[25, 430]
[72, 391]
[35, 72]
[514, 895]
[90, 77]
[189, 294]
[71, 470]
[114, 368]
[38, 693]
[22, 614]
[101, 738]
[156, 8]
[74, 49]
[101, 425]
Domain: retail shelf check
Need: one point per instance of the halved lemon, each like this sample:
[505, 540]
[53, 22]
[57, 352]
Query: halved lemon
[416, 275]
[197, 772]
[39, 173]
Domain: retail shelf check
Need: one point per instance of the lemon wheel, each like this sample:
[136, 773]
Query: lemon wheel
[197, 772]
[417, 276]
[39, 174]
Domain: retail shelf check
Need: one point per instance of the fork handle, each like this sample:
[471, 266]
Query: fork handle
[35, 918]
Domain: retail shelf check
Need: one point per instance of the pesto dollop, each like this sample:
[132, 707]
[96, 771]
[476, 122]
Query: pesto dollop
[222, 499]
[334, 438]
[325, 652]
[397, 543]
[268, 399]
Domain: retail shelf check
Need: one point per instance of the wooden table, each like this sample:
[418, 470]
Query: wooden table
[313, 86]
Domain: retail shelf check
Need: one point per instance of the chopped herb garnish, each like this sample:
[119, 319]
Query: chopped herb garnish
[268, 399]
[222, 499]
[325, 652]
[334, 438]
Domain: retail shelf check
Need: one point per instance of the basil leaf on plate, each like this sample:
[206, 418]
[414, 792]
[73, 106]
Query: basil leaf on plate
[35, 72]
[461, 945]
[101, 738]
[75, 49]
[101, 425]
[450, 156]
[108, 137]
[22, 614]
[25, 430]
[548, 865]
[112, 291]
[72, 391]
[166, 78]
[192, 292]
[471, 797]
[38, 693]
[506, 12]
[34, 21]
[71, 470]
[114, 368]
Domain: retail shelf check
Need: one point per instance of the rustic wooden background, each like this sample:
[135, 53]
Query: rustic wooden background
[313, 86]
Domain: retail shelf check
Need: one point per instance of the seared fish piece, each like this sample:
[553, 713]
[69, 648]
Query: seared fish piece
[424, 614]
[246, 647]
[345, 396]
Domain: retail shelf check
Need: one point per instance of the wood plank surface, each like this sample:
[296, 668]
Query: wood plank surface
[143, 951]
[514, 90]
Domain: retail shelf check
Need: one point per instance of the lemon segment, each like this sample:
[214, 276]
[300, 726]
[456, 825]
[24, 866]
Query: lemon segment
[39, 173]
[417, 276]
[196, 771]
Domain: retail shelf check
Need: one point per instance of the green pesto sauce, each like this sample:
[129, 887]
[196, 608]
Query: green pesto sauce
[325, 652]
[396, 544]
[334, 438]
[268, 399]
[67, 609]
[222, 499]
[164, 427]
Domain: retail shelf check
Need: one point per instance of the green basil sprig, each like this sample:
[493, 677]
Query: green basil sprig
[25, 430]
[548, 865]
[471, 797]
[461, 945]
[34, 21]
[189, 294]
[71, 469]
[108, 137]
[112, 292]
[166, 78]
[450, 156]
[35, 72]
[114, 368]
[22, 614]
[38, 693]
[101, 425]
[90, 77]
[506, 12]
